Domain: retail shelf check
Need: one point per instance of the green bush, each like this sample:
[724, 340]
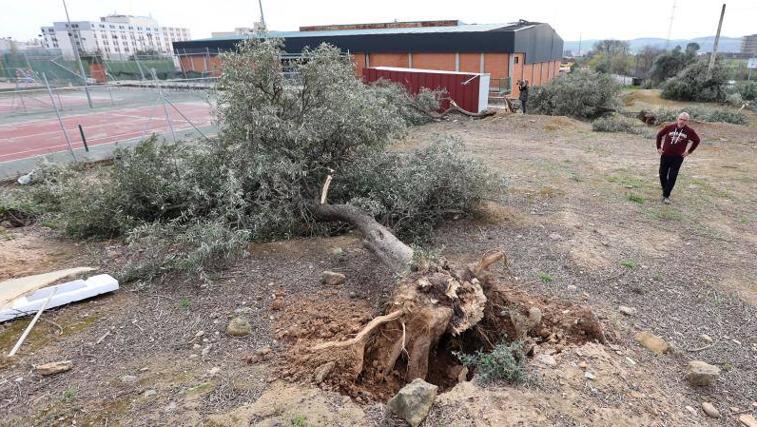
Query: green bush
[702, 114]
[582, 94]
[152, 182]
[619, 123]
[671, 63]
[747, 90]
[413, 109]
[411, 192]
[504, 362]
[734, 99]
[191, 248]
[17, 208]
[694, 83]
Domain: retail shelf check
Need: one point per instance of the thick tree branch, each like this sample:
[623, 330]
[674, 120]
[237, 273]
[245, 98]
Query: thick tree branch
[391, 250]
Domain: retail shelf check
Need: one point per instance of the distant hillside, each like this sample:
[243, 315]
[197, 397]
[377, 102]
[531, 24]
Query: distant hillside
[727, 44]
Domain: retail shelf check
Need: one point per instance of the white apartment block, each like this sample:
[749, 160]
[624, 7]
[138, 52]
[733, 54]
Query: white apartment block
[114, 36]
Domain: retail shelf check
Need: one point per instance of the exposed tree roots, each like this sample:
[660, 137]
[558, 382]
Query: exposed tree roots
[433, 312]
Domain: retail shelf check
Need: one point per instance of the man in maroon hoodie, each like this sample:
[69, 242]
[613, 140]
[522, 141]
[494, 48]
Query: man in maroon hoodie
[672, 142]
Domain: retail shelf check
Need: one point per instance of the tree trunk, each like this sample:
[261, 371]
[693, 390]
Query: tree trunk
[391, 250]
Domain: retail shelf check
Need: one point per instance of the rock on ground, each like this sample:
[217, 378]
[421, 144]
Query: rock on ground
[239, 327]
[53, 368]
[628, 311]
[414, 401]
[710, 410]
[128, 379]
[701, 373]
[332, 279]
[652, 342]
[323, 371]
[545, 360]
[748, 420]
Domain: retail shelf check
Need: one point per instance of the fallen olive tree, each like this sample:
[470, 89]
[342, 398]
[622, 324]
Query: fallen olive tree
[189, 207]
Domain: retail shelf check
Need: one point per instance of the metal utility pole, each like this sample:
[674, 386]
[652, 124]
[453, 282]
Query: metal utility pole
[715, 45]
[262, 18]
[580, 39]
[670, 26]
[78, 58]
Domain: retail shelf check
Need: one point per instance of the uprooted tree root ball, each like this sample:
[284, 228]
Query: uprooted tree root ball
[432, 313]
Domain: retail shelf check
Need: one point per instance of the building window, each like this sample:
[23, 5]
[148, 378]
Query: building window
[515, 61]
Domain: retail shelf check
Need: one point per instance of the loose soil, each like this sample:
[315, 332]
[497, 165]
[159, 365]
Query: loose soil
[582, 226]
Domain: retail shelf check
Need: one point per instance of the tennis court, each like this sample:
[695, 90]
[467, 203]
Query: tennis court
[43, 136]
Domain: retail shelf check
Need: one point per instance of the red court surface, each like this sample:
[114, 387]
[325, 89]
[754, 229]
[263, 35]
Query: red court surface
[31, 138]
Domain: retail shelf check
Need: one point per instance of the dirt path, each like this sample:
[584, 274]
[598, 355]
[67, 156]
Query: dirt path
[580, 220]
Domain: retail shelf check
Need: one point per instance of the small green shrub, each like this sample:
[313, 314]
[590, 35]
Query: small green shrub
[69, 395]
[504, 362]
[627, 263]
[582, 94]
[619, 123]
[300, 421]
[545, 277]
[636, 198]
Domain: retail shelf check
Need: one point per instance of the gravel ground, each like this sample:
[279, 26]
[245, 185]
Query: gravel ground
[688, 268]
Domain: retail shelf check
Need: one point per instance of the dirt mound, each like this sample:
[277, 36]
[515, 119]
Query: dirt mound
[388, 357]
[560, 123]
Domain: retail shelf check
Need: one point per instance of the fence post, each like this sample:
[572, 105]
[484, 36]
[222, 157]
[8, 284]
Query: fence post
[163, 101]
[83, 139]
[60, 120]
[139, 66]
[20, 96]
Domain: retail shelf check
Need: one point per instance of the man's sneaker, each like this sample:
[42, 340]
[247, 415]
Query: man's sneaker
[666, 200]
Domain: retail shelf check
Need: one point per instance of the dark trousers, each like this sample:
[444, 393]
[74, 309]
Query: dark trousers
[523, 105]
[669, 166]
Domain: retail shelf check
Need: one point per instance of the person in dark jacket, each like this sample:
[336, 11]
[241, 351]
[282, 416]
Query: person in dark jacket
[673, 146]
[523, 96]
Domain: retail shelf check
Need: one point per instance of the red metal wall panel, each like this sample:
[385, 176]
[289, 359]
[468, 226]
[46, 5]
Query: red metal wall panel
[464, 95]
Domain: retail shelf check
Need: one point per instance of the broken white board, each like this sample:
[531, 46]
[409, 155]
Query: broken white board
[14, 288]
[64, 293]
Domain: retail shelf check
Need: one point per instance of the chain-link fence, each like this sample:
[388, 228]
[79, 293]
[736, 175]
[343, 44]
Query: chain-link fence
[47, 106]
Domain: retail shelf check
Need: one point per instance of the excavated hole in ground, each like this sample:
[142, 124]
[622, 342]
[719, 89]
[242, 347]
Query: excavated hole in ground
[506, 317]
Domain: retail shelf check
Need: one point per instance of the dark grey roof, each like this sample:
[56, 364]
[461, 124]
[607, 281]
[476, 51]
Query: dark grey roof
[538, 41]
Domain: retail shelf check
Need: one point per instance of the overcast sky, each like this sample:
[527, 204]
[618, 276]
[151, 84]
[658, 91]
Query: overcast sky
[589, 19]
